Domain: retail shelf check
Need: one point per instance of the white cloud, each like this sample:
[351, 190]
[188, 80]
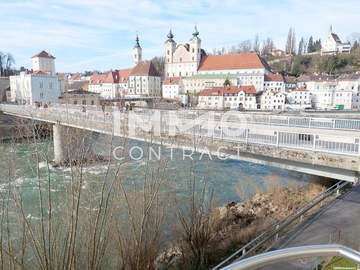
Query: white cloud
[102, 32]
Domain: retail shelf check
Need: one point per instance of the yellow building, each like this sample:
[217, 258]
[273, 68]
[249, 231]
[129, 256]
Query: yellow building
[80, 97]
[44, 62]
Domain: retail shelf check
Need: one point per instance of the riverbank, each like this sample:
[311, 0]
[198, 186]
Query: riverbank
[234, 224]
[14, 129]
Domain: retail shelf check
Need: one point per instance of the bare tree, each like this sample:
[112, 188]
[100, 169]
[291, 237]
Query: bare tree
[290, 47]
[256, 44]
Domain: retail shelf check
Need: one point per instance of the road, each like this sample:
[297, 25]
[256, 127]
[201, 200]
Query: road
[337, 222]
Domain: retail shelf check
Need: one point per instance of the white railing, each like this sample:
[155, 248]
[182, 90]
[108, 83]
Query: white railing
[312, 141]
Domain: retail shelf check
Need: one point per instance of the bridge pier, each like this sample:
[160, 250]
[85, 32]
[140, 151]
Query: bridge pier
[72, 145]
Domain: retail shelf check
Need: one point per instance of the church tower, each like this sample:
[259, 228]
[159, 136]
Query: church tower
[195, 47]
[170, 46]
[137, 51]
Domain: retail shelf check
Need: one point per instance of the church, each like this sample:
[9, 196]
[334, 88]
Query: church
[183, 60]
[199, 70]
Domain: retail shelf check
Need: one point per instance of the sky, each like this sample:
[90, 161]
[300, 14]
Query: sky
[100, 34]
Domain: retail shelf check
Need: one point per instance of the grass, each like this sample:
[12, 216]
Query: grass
[340, 263]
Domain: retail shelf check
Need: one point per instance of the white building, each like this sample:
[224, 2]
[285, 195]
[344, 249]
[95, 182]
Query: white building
[351, 82]
[330, 99]
[172, 88]
[274, 82]
[38, 86]
[229, 97]
[144, 80]
[110, 84]
[299, 98]
[271, 100]
[332, 44]
[249, 68]
[199, 82]
[183, 60]
[34, 88]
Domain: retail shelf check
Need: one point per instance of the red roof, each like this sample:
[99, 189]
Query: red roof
[273, 77]
[171, 81]
[222, 91]
[75, 77]
[233, 61]
[290, 79]
[336, 37]
[39, 72]
[44, 54]
[118, 76]
[124, 74]
[144, 68]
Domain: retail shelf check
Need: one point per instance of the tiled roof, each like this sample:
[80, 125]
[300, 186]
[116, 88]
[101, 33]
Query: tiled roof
[349, 77]
[75, 77]
[273, 77]
[290, 79]
[98, 78]
[171, 81]
[222, 91]
[44, 54]
[144, 68]
[39, 72]
[117, 76]
[336, 37]
[124, 74]
[81, 92]
[233, 61]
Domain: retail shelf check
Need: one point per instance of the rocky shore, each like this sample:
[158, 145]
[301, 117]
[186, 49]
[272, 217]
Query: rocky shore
[236, 223]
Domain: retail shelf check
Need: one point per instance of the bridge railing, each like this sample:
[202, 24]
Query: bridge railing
[104, 122]
[278, 229]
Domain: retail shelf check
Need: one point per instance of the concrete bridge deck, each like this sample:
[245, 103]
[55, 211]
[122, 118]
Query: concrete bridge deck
[320, 146]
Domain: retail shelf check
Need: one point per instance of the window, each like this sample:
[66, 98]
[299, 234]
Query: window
[75, 102]
[84, 102]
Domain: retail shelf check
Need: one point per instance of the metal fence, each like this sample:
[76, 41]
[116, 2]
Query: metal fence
[220, 130]
[277, 229]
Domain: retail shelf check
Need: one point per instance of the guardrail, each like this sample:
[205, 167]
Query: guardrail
[275, 230]
[295, 253]
[94, 120]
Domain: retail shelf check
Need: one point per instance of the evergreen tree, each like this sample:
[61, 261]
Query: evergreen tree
[310, 47]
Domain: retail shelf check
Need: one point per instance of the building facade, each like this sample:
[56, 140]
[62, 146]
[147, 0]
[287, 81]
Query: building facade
[332, 44]
[34, 88]
[144, 80]
[110, 84]
[172, 88]
[80, 97]
[300, 98]
[228, 97]
[274, 82]
[44, 62]
[199, 82]
[271, 100]
[40, 85]
[183, 60]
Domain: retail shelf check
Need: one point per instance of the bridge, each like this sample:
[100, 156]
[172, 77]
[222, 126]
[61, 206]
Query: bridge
[328, 147]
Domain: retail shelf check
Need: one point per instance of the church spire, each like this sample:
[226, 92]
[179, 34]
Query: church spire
[170, 36]
[196, 32]
[330, 30]
[137, 44]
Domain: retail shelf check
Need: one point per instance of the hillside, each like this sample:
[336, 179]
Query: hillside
[331, 64]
